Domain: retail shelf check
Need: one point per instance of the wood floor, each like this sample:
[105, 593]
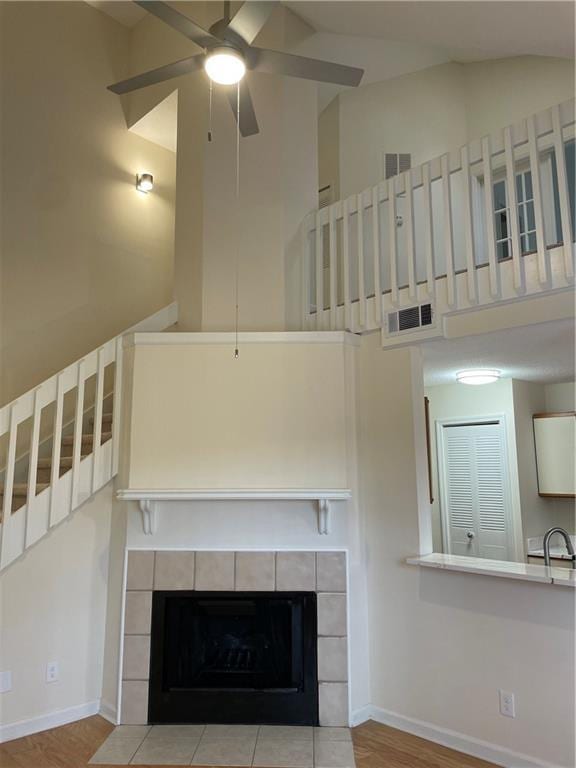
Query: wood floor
[376, 746]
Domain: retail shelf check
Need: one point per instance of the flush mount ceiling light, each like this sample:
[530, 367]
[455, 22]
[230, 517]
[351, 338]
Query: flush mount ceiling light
[481, 376]
[144, 182]
[225, 66]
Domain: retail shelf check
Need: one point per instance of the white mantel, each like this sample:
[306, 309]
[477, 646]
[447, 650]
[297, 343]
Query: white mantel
[148, 501]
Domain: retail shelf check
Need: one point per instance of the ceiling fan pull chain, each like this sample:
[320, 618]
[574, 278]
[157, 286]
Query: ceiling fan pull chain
[210, 113]
[236, 351]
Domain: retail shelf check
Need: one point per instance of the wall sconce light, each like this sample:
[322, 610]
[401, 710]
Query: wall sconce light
[144, 182]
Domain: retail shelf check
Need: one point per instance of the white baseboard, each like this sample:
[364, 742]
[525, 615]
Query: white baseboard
[361, 716]
[108, 712]
[468, 744]
[52, 720]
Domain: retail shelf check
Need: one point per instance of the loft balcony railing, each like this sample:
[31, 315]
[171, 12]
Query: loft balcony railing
[490, 222]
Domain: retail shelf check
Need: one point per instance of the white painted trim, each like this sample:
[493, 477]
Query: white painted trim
[361, 715]
[469, 745]
[256, 337]
[207, 494]
[164, 318]
[108, 712]
[52, 720]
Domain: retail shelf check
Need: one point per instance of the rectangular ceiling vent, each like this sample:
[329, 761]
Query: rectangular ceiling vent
[410, 318]
[396, 163]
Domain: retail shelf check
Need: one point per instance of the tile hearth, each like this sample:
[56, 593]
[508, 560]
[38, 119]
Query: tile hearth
[261, 746]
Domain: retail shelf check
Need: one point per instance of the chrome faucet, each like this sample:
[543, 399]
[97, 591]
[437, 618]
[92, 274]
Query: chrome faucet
[569, 546]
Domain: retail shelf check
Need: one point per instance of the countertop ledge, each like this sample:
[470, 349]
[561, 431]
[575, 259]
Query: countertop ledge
[561, 577]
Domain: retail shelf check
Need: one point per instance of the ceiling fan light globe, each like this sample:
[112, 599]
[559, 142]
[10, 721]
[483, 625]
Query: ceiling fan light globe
[225, 66]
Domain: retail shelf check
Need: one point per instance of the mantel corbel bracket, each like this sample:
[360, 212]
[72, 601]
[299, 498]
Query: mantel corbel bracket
[149, 516]
[324, 516]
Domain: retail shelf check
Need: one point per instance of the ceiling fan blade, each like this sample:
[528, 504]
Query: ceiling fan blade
[248, 121]
[179, 22]
[278, 63]
[159, 75]
[251, 18]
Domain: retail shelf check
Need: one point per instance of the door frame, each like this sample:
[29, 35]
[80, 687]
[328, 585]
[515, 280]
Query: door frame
[440, 469]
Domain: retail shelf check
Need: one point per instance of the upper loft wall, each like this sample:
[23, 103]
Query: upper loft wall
[84, 255]
[278, 176]
[432, 111]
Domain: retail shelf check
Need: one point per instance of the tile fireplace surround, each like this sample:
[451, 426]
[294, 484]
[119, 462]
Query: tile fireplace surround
[323, 572]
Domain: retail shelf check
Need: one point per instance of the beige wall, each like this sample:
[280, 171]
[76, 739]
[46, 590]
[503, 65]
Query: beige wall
[329, 148]
[443, 643]
[84, 255]
[53, 608]
[432, 111]
[266, 420]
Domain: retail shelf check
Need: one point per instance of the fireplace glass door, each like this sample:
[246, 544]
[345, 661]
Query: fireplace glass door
[234, 657]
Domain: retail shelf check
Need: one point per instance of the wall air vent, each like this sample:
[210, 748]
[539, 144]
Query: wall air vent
[410, 318]
[396, 163]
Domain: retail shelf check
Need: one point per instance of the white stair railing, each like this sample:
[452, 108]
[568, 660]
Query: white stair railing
[453, 231]
[25, 525]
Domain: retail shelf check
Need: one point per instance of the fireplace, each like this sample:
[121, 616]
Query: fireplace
[234, 657]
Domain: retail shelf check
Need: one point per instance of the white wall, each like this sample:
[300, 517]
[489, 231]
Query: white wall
[538, 513]
[560, 397]
[458, 401]
[443, 643]
[432, 111]
[53, 608]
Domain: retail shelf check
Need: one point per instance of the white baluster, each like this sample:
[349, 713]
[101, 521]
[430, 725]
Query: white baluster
[468, 230]
[448, 238]
[8, 482]
[361, 281]
[512, 201]
[56, 449]
[409, 227]
[319, 273]
[489, 217]
[376, 254]
[346, 264]
[543, 265]
[77, 447]
[97, 431]
[428, 232]
[305, 275]
[333, 267]
[392, 242]
[563, 195]
[32, 464]
[117, 405]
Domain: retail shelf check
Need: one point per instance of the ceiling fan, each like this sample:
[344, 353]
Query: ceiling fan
[229, 53]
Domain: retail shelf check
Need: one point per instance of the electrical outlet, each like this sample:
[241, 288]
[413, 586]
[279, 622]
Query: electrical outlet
[52, 672]
[5, 682]
[507, 704]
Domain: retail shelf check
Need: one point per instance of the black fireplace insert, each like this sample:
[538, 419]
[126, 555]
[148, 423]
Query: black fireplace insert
[234, 657]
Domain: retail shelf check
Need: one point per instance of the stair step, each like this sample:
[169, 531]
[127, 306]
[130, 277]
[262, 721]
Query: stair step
[21, 489]
[86, 439]
[65, 462]
[106, 419]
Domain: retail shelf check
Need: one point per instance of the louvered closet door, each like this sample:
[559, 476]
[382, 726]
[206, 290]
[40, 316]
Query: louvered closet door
[475, 505]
